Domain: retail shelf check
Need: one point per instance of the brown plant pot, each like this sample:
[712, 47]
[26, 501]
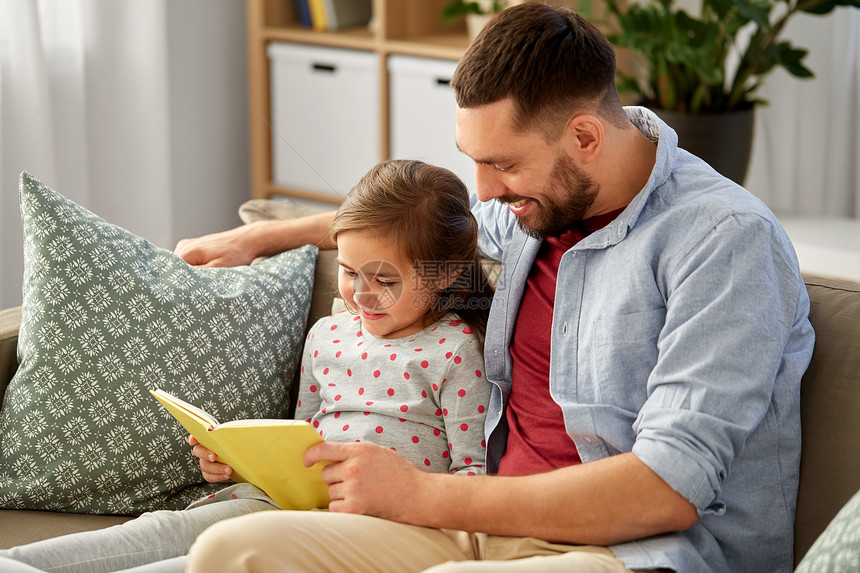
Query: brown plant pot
[724, 140]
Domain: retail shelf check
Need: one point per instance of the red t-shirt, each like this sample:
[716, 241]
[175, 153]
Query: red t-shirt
[537, 440]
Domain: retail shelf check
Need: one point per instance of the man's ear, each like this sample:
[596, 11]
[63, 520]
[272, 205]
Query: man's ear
[584, 137]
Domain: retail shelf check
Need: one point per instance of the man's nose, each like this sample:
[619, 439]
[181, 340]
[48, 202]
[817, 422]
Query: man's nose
[487, 182]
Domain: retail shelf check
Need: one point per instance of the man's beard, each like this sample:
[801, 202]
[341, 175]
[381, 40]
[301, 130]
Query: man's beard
[569, 194]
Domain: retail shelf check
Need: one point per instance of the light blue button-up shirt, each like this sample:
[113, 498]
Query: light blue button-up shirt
[679, 333]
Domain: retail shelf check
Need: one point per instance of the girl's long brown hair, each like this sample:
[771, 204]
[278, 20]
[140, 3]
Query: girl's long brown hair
[424, 210]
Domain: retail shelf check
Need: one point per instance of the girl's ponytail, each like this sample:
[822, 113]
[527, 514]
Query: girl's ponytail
[471, 293]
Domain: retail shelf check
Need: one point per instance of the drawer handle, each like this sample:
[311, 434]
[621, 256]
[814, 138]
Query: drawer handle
[324, 68]
[443, 81]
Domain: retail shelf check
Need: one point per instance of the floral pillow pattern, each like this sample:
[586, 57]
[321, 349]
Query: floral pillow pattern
[107, 316]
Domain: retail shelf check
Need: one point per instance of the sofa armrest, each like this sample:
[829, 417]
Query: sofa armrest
[10, 320]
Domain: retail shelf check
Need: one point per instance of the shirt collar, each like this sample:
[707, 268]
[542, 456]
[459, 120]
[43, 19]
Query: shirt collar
[658, 131]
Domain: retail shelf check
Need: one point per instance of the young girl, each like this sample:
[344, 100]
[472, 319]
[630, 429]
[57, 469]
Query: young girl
[403, 368]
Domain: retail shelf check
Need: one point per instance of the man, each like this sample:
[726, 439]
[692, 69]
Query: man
[645, 344]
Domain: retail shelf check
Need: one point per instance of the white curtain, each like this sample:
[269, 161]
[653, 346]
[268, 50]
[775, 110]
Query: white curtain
[136, 109]
[806, 151]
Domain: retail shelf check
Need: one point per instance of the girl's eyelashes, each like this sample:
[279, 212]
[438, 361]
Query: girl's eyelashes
[384, 283]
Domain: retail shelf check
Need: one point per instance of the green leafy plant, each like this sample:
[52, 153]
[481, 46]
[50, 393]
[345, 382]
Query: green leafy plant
[459, 8]
[715, 62]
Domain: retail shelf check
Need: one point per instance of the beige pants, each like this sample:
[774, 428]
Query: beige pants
[317, 541]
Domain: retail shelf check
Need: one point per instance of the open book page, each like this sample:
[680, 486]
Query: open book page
[191, 409]
[266, 453]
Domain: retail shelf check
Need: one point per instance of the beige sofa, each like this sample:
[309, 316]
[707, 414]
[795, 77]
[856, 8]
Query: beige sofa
[830, 403]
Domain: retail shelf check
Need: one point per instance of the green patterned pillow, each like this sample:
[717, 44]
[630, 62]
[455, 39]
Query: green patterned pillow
[837, 549]
[108, 316]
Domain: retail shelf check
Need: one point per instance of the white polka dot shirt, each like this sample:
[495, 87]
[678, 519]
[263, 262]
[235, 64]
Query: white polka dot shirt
[423, 395]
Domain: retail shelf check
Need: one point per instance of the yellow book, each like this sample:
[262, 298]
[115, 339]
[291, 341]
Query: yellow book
[319, 15]
[265, 453]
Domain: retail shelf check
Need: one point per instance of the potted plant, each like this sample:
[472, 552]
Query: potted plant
[476, 12]
[711, 64]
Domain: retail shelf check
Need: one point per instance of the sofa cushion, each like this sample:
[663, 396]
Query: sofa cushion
[10, 318]
[108, 316]
[20, 527]
[829, 406]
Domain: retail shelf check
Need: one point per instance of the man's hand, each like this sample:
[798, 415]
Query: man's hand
[240, 246]
[225, 249]
[213, 471]
[366, 478]
[607, 501]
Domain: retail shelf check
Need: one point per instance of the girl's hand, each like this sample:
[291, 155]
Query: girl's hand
[362, 476]
[213, 471]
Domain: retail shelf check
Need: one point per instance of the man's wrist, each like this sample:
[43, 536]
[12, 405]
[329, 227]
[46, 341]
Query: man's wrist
[260, 238]
[440, 500]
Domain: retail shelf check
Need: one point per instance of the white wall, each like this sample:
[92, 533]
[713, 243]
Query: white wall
[210, 163]
[160, 146]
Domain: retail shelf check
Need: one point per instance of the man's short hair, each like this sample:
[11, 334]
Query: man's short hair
[550, 60]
